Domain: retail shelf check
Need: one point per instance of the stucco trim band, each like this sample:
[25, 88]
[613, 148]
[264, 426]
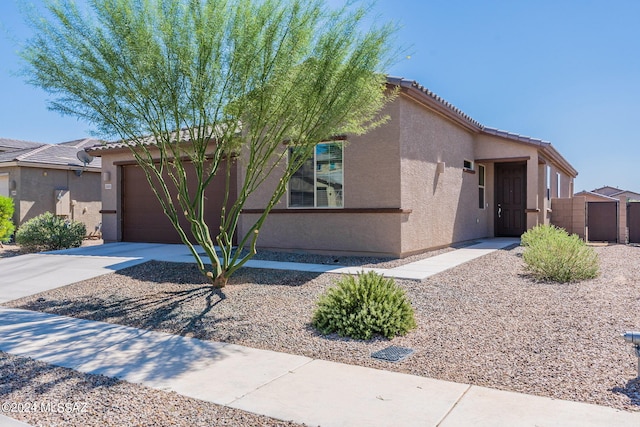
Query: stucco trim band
[331, 211]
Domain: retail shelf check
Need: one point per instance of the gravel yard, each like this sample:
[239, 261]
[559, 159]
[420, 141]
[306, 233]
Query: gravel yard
[484, 323]
[9, 249]
[95, 400]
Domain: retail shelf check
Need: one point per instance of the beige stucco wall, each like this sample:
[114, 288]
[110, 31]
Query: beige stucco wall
[335, 233]
[393, 169]
[35, 194]
[570, 213]
[623, 230]
[444, 205]
[371, 181]
[110, 189]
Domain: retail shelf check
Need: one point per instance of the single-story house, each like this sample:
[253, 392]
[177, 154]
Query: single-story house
[50, 177]
[616, 193]
[430, 177]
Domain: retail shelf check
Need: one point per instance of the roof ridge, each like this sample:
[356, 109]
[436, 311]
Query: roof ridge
[32, 152]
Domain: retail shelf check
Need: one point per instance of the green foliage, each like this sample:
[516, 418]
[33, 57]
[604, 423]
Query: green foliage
[247, 74]
[6, 219]
[552, 254]
[538, 233]
[359, 308]
[48, 232]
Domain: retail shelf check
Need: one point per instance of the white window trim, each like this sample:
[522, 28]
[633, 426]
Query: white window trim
[471, 162]
[482, 171]
[315, 177]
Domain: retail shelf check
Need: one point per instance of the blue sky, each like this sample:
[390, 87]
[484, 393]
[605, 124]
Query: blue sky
[566, 71]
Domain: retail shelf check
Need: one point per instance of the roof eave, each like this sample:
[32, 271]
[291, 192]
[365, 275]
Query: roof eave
[424, 96]
[51, 166]
[559, 160]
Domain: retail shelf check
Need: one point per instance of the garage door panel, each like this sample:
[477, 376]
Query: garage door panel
[142, 217]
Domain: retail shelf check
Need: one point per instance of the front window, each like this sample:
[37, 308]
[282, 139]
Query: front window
[318, 182]
[481, 187]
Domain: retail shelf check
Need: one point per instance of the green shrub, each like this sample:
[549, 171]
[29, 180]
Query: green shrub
[552, 254]
[48, 232]
[363, 306]
[6, 221]
[537, 233]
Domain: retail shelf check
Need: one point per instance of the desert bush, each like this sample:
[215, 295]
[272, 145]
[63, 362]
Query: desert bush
[360, 307]
[552, 254]
[6, 221]
[537, 233]
[48, 232]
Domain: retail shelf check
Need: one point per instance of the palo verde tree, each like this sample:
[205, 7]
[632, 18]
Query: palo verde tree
[194, 87]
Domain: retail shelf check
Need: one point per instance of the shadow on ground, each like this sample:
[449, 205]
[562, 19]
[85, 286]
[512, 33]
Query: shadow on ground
[631, 390]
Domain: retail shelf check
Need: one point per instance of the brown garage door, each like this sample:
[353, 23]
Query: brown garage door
[602, 221]
[142, 217]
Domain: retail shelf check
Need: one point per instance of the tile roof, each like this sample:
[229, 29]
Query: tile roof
[145, 140]
[15, 144]
[612, 191]
[514, 136]
[63, 154]
[434, 99]
[402, 82]
[607, 190]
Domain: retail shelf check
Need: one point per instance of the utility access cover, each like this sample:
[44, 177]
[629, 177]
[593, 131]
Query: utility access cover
[392, 354]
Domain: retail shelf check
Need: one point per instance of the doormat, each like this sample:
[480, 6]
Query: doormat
[392, 354]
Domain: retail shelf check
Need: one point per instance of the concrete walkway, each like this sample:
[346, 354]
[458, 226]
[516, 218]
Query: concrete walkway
[40, 272]
[284, 386]
[279, 385]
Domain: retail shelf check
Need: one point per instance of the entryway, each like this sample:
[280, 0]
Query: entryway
[511, 199]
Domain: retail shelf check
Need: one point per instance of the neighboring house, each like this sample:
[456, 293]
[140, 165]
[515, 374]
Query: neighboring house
[50, 177]
[616, 193]
[430, 177]
[592, 196]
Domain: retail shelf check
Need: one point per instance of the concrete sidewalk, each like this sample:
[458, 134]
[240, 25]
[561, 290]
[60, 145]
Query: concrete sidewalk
[283, 386]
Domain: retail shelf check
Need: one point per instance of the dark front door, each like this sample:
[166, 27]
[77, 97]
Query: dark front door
[511, 199]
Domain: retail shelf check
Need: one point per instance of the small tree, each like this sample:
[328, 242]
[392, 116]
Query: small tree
[208, 82]
[6, 219]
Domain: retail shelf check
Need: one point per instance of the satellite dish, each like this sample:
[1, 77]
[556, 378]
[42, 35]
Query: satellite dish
[84, 157]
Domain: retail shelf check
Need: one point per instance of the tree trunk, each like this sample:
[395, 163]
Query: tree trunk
[220, 281]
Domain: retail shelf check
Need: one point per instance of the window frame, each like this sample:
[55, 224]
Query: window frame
[315, 178]
[482, 185]
[471, 165]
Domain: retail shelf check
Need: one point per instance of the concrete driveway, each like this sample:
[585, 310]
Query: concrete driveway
[25, 275]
